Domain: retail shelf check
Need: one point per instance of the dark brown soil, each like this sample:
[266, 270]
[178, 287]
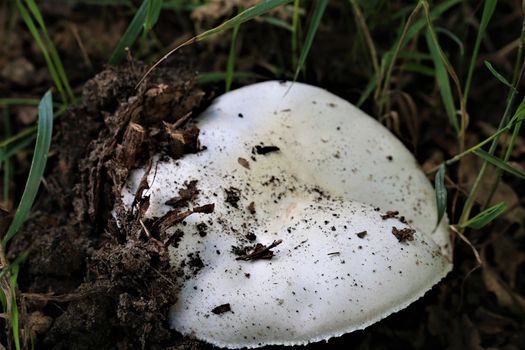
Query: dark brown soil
[221, 309]
[256, 252]
[185, 195]
[120, 276]
[403, 235]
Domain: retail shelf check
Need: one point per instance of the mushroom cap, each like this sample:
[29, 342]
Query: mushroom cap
[298, 164]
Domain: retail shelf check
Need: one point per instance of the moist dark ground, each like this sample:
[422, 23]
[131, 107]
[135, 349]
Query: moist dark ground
[87, 284]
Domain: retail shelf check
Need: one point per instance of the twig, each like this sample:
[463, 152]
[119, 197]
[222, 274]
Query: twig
[261, 253]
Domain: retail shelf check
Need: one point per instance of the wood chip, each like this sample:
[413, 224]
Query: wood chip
[244, 163]
[261, 252]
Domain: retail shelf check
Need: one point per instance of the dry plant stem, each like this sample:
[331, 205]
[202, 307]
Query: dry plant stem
[5, 286]
[3, 260]
[163, 58]
[479, 262]
[83, 51]
[381, 94]
[469, 243]
[361, 23]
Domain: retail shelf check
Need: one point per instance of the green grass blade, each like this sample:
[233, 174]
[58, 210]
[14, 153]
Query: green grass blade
[488, 11]
[215, 77]
[441, 193]
[38, 40]
[14, 268]
[485, 217]
[277, 22]
[419, 69]
[499, 163]
[388, 61]
[312, 30]
[33, 8]
[3, 298]
[14, 306]
[230, 66]
[415, 55]
[131, 33]
[450, 70]
[19, 102]
[14, 323]
[361, 25]
[442, 80]
[38, 164]
[520, 112]
[497, 75]
[52, 50]
[178, 5]
[152, 14]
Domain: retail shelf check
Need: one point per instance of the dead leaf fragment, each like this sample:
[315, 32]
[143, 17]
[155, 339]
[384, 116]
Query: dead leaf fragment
[244, 163]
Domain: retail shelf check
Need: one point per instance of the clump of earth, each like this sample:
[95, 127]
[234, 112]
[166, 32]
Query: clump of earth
[88, 282]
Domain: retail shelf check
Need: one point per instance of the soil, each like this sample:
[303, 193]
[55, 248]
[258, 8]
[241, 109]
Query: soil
[403, 235]
[88, 283]
[256, 252]
[261, 149]
[185, 195]
[121, 275]
[361, 234]
[233, 195]
[222, 309]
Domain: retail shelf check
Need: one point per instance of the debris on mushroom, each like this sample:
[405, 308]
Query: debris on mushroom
[335, 217]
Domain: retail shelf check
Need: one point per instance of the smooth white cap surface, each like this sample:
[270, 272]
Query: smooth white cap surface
[321, 175]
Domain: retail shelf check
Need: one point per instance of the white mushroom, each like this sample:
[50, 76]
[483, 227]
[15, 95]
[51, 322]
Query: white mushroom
[317, 183]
